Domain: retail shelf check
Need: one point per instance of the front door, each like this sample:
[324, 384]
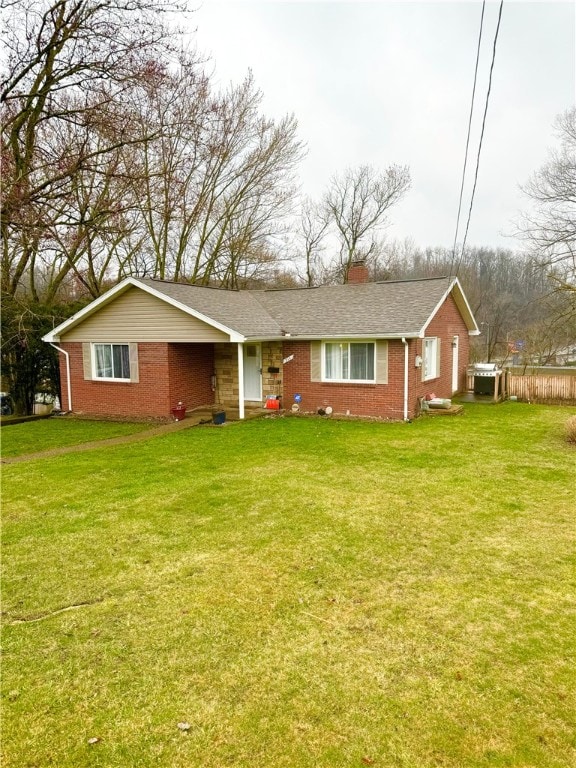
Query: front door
[455, 382]
[252, 372]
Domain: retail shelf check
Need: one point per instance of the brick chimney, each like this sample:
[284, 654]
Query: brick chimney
[358, 272]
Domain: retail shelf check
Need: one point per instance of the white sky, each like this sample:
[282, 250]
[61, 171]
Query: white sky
[390, 83]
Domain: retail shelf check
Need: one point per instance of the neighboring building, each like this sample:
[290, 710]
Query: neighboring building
[566, 356]
[366, 349]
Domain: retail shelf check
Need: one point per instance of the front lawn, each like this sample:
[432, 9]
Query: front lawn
[296, 593]
[59, 431]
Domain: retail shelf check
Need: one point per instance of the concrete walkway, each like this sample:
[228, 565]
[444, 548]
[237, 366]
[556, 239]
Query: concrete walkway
[192, 419]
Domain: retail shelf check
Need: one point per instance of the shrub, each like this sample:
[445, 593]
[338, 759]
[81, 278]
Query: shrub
[571, 429]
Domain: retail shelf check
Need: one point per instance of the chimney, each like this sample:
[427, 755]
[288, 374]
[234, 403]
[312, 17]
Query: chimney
[358, 272]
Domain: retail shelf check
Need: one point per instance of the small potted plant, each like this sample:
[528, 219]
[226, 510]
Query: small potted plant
[179, 412]
[218, 415]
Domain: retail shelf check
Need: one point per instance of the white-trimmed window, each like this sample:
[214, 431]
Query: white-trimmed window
[111, 362]
[431, 358]
[345, 361]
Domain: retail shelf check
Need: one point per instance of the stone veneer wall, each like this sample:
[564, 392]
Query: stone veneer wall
[271, 358]
[226, 369]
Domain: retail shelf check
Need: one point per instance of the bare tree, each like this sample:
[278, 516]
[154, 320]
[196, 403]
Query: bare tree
[357, 203]
[69, 63]
[551, 229]
[166, 169]
[248, 184]
[314, 223]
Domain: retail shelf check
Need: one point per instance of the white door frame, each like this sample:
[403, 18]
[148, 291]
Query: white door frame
[259, 367]
[455, 362]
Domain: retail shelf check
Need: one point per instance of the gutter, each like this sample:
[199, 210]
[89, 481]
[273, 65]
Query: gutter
[405, 378]
[69, 386]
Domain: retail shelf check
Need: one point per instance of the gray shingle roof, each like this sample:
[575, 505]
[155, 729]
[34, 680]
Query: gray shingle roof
[236, 310]
[395, 308]
[366, 309]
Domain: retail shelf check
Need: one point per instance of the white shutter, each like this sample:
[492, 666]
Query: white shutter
[315, 361]
[134, 372]
[382, 362]
[87, 360]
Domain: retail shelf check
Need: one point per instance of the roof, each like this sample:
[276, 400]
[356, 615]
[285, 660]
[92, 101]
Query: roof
[392, 309]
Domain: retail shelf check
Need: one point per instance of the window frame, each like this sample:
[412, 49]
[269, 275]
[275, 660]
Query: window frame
[111, 344]
[348, 342]
[430, 355]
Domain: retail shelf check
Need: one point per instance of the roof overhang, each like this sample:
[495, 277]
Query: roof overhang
[339, 336]
[454, 288]
[118, 290]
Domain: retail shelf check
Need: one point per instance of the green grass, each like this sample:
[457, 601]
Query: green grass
[45, 434]
[301, 592]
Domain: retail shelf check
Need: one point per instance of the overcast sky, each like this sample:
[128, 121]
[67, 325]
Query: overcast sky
[391, 82]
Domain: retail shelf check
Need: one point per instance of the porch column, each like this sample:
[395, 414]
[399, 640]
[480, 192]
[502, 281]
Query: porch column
[240, 381]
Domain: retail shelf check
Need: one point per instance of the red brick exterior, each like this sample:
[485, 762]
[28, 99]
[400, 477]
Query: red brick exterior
[168, 373]
[190, 368]
[355, 399]
[385, 400]
[358, 273]
[446, 324]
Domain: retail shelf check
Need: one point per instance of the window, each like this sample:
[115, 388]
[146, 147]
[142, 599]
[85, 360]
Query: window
[431, 366]
[111, 361]
[349, 361]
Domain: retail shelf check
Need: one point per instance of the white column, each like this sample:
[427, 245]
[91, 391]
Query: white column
[240, 381]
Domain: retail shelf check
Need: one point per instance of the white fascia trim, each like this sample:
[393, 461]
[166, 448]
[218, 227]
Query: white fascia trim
[234, 335]
[455, 283]
[346, 337]
[475, 331]
[88, 310]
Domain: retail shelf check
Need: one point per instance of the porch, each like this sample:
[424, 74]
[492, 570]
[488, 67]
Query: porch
[206, 414]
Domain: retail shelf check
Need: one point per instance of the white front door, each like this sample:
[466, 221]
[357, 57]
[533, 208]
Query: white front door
[455, 382]
[252, 372]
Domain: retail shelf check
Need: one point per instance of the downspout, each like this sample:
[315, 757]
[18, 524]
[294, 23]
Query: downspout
[405, 378]
[240, 380]
[69, 386]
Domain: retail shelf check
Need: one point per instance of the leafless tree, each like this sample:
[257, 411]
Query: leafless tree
[550, 230]
[69, 63]
[357, 204]
[313, 226]
[248, 183]
[212, 190]
[166, 169]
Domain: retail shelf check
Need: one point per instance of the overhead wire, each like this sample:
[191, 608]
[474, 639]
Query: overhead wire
[481, 136]
[468, 136]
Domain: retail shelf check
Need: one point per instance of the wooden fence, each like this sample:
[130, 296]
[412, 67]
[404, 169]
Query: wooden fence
[538, 385]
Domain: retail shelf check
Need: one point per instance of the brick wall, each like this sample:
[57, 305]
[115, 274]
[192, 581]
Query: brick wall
[167, 373]
[385, 400]
[355, 399]
[446, 324]
[191, 367]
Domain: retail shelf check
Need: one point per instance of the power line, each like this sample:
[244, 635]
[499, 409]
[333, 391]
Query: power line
[468, 136]
[481, 134]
